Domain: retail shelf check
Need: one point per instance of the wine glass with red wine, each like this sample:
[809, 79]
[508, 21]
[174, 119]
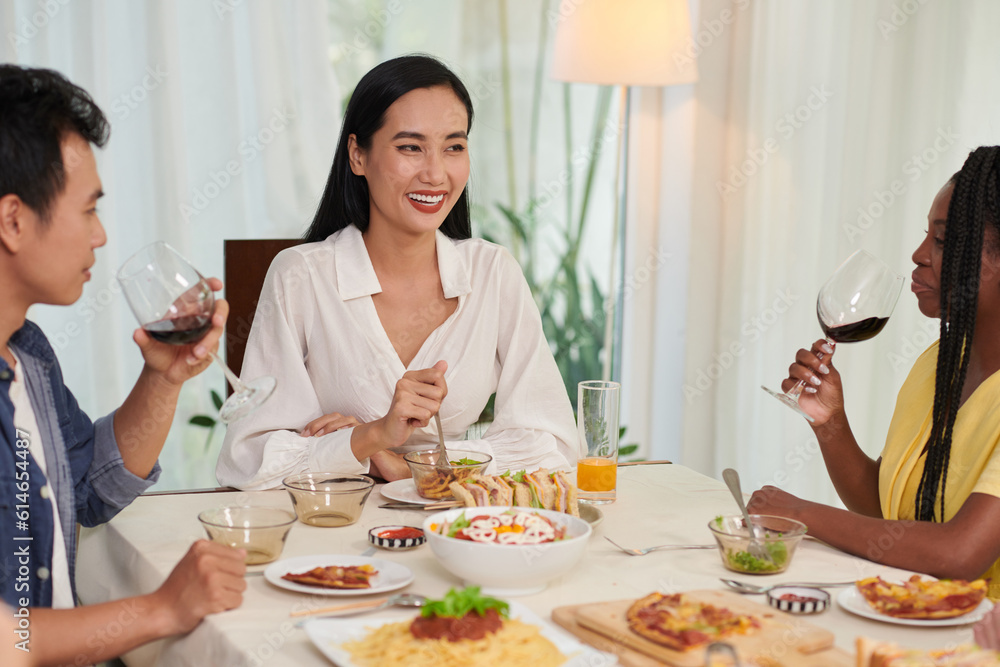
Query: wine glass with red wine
[174, 304]
[853, 305]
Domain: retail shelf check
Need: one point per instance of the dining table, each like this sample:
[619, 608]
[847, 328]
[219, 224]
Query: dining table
[659, 503]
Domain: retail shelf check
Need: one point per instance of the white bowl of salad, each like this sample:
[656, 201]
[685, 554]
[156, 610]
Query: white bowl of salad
[506, 550]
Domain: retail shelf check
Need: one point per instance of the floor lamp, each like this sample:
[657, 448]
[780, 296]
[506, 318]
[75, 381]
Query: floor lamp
[623, 43]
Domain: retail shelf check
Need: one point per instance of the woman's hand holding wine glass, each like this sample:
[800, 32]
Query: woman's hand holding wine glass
[853, 305]
[820, 400]
[179, 363]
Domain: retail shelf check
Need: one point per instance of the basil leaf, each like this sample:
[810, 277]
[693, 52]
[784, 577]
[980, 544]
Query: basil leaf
[457, 604]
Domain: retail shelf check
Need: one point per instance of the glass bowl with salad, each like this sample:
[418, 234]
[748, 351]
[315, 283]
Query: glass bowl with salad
[432, 481]
[778, 536]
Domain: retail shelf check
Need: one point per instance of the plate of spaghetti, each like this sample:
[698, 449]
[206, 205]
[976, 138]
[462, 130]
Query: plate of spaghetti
[390, 641]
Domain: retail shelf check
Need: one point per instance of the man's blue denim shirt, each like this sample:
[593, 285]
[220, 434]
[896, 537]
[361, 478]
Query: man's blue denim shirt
[84, 466]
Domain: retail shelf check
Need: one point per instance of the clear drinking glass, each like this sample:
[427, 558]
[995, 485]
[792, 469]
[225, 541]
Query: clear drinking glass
[173, 304]
[597, 420]
[853, 305]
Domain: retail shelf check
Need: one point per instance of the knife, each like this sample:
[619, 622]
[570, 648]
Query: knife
[419, 506]
[402, 506]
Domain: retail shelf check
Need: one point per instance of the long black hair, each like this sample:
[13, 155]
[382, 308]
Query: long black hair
[345, 200]
[974, 206]
[38, 108]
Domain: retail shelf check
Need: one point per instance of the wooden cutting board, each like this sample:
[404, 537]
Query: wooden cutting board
[783, 640]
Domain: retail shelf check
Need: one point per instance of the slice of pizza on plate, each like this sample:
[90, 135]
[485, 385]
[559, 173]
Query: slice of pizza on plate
[920, 598]
[873, 653]
[335, 576]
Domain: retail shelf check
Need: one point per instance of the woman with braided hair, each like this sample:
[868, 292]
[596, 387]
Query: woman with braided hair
[931, 502]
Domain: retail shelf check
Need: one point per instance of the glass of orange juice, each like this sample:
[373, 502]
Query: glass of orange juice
[597, 420]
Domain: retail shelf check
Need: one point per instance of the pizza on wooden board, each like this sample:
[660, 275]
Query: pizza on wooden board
[335, 576]
[873, 653]
[682, 624]
[922, 598]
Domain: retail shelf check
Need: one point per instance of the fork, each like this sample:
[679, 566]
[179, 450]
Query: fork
[756, 549]
[643, 552]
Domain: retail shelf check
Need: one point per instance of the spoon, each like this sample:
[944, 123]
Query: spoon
[722, 649]
[754, 589]
[403, 600]
[756, 549]
[442, 458]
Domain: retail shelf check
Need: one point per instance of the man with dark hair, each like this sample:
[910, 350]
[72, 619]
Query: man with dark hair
[57, 467]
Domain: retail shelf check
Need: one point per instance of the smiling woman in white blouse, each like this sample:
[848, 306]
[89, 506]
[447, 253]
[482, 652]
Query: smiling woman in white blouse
[391, 313]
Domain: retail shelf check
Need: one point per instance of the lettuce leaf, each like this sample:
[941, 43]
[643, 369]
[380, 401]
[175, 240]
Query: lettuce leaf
[536, 502]
[517, 476]
[458, 524]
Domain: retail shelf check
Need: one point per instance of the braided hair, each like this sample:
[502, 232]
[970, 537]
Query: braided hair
[974, 205]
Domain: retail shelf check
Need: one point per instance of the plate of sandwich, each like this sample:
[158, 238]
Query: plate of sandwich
[541, 489]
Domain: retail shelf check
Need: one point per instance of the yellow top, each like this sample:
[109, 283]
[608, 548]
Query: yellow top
[974, 465]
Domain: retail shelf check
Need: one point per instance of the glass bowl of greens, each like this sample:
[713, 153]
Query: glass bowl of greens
[778, 536]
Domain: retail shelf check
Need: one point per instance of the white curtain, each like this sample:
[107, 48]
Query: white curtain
[816, 128]
[745, 188]
[224, 119]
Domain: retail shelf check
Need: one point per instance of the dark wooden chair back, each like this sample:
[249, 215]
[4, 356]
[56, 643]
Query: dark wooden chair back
[246, 264]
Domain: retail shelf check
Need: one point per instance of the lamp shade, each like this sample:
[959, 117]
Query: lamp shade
[624, 42]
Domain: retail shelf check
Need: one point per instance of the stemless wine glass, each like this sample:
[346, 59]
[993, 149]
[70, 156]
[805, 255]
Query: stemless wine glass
[173, 304]
[853, 305]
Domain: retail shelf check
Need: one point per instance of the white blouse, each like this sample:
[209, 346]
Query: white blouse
[317, 332]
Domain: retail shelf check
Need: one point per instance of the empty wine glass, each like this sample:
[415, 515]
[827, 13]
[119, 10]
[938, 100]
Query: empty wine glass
[174, 304]
[853, 305]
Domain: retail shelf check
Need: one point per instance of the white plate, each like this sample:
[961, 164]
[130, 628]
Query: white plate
[405, 491]
[329, 633]
[852, 600]
[390, 575]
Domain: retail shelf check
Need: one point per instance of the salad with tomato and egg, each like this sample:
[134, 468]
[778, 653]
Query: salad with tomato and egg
[513, 527]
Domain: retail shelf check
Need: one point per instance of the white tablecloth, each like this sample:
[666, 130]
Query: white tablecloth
[656, 504]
